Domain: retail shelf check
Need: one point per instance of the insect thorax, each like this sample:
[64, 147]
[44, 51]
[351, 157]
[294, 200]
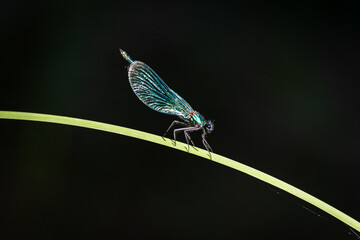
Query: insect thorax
[195, 118]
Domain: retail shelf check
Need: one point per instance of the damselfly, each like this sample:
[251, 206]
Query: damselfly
[155, 94]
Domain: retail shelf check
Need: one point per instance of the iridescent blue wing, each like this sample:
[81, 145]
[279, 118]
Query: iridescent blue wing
[154, 92]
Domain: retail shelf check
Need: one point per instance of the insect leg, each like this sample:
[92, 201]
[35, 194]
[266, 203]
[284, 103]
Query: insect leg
[184, 129]
[206, 144]
[186, 133]
[187, 136]
[172, 124]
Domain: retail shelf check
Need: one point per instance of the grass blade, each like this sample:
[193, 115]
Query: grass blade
[183, 147]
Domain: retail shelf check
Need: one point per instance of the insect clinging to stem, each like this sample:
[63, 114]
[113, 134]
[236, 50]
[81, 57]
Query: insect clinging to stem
[155, 94]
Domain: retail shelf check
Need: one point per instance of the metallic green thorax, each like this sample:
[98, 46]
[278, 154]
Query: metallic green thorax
[196, 119]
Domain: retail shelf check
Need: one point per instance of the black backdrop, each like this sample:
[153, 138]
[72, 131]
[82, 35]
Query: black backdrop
[282, 82]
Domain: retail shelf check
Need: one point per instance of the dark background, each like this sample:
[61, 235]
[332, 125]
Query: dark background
[282, 82]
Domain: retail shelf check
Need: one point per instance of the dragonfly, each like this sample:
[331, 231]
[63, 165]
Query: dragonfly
[155, 94]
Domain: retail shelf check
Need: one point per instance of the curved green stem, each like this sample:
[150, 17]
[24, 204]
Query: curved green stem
[183, 147]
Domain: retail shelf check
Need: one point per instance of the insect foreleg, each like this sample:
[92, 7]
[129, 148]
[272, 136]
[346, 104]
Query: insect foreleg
[206, 144]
